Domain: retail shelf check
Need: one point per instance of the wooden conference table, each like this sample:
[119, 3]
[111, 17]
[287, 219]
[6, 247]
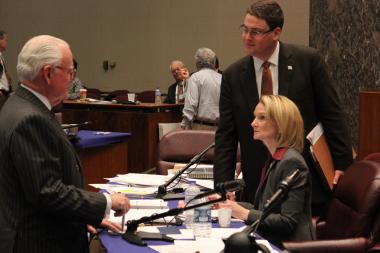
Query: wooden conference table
[140, 120]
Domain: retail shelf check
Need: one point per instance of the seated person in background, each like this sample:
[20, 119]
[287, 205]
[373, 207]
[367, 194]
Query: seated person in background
[201, 110]
[279, 125]
[176, 91]
[76, 84]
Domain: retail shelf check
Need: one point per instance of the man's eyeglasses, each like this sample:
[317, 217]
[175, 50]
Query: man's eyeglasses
[71, 71]
[253, 32]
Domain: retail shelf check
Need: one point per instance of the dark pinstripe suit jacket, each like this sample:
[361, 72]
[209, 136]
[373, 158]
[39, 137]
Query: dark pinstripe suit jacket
[42, 205]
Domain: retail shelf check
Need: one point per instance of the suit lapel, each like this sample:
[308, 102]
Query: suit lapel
[285, 70]
[260, 189]
[248, 83]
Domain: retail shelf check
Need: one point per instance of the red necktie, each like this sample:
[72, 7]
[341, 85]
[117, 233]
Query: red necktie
[266, 81]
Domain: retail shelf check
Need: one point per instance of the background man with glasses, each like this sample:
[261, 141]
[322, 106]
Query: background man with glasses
[274, 67]
[43, 206]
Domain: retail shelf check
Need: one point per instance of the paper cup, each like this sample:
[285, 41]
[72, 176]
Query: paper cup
[82, 94]
[131, 97]
[224, 217]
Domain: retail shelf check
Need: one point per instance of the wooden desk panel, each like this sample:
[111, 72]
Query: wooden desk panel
[139, 120]
[102, 162]
[369, 123]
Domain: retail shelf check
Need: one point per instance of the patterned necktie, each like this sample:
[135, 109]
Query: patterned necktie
[181, 97]
[266, 81]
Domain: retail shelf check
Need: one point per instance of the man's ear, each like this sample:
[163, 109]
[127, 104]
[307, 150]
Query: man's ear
[47, 72]
[277, 33]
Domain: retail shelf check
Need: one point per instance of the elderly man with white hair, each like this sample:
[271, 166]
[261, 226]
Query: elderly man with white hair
[43, 206]
[201, 110]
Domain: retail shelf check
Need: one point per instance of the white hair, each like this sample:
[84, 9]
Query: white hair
[205, 58]
[38, 52]
[176, 62]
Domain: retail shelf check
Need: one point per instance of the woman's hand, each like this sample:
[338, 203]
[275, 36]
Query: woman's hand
[238, 211]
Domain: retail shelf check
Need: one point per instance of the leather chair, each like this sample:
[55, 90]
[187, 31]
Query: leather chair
[147, 96]
[113, 94]
[373, 157]
[352, 223]
[179, 146]
[93, 93]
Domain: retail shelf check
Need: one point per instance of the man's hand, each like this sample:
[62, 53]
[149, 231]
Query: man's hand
[120, 204]
[338, 174]
[184, 74]
[107, 224]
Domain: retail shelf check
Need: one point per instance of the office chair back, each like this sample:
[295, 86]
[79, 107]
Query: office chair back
[355, 203]
[180, 146]
[373, 157]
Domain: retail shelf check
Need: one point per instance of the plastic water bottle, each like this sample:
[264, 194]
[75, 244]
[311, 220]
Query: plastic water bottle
[190, 193]
[157, 94]
[202, 220]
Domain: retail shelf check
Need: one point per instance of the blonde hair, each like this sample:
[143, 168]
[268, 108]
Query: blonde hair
[288, 119]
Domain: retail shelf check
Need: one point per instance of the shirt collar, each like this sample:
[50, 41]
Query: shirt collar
[280, 152]
[41, 97]
[273, 59]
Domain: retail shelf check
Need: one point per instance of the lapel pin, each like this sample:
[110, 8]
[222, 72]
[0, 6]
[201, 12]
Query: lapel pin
[290, 67]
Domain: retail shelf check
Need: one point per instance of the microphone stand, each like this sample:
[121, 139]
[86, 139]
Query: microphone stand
[162, 189]
[134, 237]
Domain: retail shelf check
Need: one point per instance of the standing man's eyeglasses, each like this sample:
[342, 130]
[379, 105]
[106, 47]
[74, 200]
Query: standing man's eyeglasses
[253, 32]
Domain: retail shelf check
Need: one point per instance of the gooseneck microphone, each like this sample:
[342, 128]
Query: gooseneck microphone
[283, 189]
[223, 188]
[245, 241]
[162, 189]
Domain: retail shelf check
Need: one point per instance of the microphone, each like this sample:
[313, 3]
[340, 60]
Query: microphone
[244, 241]
[162, 188]
[222, 188]
[283, 189]
[67, 126]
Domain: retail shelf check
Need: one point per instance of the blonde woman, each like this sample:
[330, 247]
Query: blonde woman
[278, 124]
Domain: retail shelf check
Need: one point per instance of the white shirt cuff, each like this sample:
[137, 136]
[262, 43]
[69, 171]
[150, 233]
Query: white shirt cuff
[109, 205]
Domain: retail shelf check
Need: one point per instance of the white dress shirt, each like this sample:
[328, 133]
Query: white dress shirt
[4, 84]
[273, 60]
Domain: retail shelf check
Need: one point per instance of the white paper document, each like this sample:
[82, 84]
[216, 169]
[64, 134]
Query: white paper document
[140, 179]
[135, 214]
[129, 190]
[148, 204]
[201, 245]
[315, 133]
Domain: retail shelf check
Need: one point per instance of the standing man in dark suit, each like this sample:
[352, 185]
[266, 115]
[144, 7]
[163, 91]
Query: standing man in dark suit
[5, 80]
[43, 206]
[176, 91]
[294, 71]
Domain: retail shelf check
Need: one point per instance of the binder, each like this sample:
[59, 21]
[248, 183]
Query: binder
[321, 154]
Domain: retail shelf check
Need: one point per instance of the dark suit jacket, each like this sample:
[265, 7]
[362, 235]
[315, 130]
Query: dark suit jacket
[43, 208]
[304, 79]
[170, 98]
[290, 221]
